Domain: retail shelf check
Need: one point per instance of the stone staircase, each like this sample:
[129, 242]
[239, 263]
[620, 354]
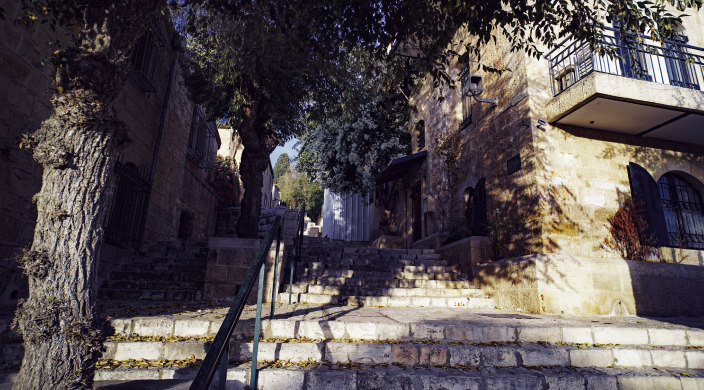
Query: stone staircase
[331, 272]
[387, 320]
[164, 273]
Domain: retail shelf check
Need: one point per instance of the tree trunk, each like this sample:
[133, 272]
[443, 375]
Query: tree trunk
[61, 329]
[254, 163]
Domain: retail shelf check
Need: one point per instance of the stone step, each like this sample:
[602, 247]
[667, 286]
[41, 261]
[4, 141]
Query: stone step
[397, 283]
[321, 377]
[423, 353]
[142, 284]
[362, 261]
[376, 275]
[381, 291]
[380, 267]
[151, 295]
[368, 323]
[394, 301]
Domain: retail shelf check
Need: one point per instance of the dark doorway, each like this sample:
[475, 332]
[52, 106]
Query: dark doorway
[417, 211]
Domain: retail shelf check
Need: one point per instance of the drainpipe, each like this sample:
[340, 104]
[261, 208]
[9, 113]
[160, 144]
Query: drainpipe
[176, 45]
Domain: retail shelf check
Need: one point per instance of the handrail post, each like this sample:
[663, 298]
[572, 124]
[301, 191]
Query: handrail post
[274, 290]
[223, 366]
[257, 329]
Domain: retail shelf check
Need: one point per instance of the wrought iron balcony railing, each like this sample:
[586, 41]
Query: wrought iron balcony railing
[673, 63]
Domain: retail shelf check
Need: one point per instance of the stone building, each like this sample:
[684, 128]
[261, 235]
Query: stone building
[549, 149]
[232, 147]
[162, 195]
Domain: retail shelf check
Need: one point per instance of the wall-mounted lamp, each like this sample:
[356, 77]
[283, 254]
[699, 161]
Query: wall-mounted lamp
[474, 87]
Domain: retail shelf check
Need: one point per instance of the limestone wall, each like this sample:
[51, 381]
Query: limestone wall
[584, 286]
[496, 134]
[178, 185]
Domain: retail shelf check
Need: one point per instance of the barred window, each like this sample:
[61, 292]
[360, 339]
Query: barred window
[200, 140]
[684, 212]
[147, 59]
[466, 99]
[128, 210]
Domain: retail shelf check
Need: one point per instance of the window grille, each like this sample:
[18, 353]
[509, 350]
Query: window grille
[466, 99]
[684, 212]
[185, 227]
[200, 140]
[128, 211]
[147, 59]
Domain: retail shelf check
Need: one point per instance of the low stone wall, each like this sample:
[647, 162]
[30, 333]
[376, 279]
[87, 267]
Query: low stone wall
[230, 259]
[467, 253]
[583, 286]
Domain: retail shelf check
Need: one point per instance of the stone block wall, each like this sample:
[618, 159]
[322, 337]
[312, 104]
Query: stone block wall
[179, 184]
[497, 133]
[577, 285]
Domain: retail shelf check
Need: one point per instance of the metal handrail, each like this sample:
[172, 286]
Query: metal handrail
[219, 349]
[296, 249]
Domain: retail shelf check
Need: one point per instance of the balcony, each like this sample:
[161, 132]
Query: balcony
[653, 91]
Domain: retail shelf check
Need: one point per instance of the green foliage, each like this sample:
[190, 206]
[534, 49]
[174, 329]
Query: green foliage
[295, 188]
[352, 139]
[225, 182]
[282, 166]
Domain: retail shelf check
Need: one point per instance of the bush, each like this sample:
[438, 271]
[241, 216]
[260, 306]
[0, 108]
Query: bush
[223, 182]
[628, 234]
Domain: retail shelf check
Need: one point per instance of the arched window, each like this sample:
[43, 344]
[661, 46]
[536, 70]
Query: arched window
[684, 211]
[420, 135]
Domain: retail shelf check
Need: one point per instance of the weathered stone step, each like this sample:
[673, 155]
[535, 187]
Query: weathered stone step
[377, 275]
[410, 378]
[381, 291]
[397, 283]
[381, 267]
[363, 260]
[328, 322]
[153, 295]
[423, 353]
[394, 301]
[142, 284]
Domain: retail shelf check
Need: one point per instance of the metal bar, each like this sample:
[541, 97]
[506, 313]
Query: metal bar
[207, 369]
[274, 290]
[223, 367]
[257, 329]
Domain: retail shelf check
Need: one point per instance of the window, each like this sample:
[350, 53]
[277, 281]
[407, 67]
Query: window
[466, 99]
[634, 58]
[684, 212]
[680, 73]
[128, 211]
[200, 140]
[513, 164]
[671, 207]
[420, 135]
[147, 59]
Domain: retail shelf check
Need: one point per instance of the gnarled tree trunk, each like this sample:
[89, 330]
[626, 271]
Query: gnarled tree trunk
[254, 163]
[62, 332]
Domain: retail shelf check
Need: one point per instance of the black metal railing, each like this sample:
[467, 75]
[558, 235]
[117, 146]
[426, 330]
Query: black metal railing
[297, 249]
[674, 62]
[218, 353]
[684, 213]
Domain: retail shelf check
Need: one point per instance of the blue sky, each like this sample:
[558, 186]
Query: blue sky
[287, 148]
